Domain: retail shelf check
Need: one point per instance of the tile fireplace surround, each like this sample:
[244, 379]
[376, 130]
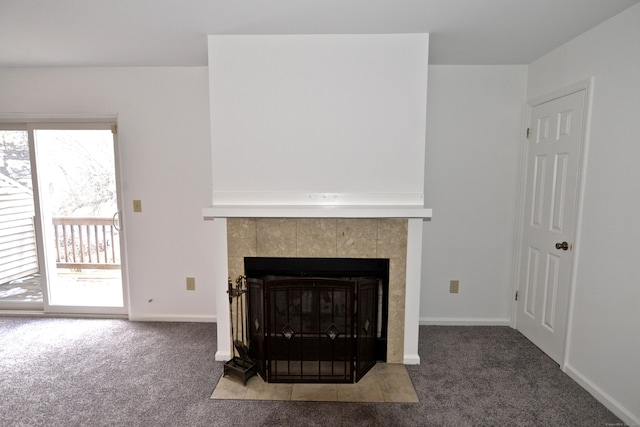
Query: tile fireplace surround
[329, 238]
[393, 233]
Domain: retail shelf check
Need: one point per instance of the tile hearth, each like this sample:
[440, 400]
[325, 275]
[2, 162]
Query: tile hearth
[386, 382]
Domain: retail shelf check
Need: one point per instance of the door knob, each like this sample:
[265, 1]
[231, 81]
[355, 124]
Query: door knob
[564, 246]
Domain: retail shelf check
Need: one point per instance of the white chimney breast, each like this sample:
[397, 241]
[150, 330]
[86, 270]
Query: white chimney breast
[318, 114]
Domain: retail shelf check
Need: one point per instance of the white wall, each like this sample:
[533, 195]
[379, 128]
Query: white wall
[318, 114]
[473, 121]
[604, 340]
[165, 150]
[474, 129]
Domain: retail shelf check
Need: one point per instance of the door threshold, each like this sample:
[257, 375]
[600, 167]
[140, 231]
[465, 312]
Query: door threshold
[32, 313]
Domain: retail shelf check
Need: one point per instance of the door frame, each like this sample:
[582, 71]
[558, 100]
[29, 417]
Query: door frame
[587, 86]
[32, 122]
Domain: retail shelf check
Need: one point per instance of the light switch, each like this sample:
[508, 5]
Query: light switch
[137, 206]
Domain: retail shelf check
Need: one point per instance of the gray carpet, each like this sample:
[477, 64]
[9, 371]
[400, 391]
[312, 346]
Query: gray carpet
[94, 372]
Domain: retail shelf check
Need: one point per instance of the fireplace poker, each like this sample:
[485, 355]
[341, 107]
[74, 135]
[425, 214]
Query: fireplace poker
[237, 319]
[231, 291]
[241, 313]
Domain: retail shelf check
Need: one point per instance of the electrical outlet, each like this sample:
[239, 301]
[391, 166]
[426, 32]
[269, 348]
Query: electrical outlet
[137, 206]
[453, 286]
[191, 283]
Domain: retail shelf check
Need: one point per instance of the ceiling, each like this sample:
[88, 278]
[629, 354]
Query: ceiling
[68, 33]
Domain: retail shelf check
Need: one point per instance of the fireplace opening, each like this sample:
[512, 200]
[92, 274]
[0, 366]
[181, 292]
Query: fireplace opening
[317, 319]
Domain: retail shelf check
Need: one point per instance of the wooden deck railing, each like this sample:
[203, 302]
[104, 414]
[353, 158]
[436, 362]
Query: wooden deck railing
[88, 242]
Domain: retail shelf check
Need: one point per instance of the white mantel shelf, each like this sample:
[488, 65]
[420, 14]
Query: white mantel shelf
[315, 211]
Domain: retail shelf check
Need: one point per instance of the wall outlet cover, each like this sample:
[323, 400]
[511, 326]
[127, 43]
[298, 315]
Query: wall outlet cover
[453, 286]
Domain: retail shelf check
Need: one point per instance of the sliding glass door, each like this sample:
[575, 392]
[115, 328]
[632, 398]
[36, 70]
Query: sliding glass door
[76, 217]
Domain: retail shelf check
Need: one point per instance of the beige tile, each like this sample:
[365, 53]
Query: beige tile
[385, 382]
[357, 238]
[241, 237]
[229, 388]
[276, 237]
[257, 389]
[395, 340]
[395, 326]
[392, 238]
[397, 275]
[388, 368]
[314, 392]
[236, 267]
[366, 390]
[316, 237]
[397, 387]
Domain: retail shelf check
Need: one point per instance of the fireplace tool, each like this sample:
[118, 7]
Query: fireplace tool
[241, 366]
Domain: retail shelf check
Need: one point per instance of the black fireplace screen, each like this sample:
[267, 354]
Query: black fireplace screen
[313, 329]
[317, 319]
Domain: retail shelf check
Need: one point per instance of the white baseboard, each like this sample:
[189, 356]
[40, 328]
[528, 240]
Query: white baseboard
[601, 396]
[222, 356]
[171, 318]
[465, 321]
[411, 359]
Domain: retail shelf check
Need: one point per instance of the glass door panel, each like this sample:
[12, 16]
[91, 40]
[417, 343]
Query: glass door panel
[20, 280]
[79, 208]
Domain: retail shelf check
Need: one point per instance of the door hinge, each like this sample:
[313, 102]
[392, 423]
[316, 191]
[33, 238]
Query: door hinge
[528, 132]
[114, 129]
[516, 295]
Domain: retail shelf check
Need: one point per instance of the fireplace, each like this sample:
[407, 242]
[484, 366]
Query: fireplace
[317, 319]
[388, 233]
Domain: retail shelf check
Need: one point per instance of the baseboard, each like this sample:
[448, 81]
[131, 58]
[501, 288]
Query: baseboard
[465, 321]
[222, 356]
[171, 318]
[411, 359]
[601, 396]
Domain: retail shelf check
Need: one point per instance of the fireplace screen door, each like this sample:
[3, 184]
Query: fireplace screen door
[309, 330]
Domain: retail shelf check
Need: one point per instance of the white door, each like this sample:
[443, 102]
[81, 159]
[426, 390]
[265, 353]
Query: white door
[554, 147]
